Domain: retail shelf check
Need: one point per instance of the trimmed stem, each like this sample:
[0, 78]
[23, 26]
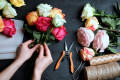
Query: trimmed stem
[113, 16]
[109, 29]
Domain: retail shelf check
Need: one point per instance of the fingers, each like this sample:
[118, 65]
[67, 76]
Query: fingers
[35, 47]
[28, 42]
[47, 51]
[41, 53]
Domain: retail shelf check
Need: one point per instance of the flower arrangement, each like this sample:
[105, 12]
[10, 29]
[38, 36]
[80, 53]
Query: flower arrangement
[46, 24]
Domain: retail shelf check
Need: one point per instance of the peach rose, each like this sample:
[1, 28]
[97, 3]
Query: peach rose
[85, 36]
[1, 24]
[92, 23]
[101, 40]
[57, 11]
[32, 17]
[86, 54]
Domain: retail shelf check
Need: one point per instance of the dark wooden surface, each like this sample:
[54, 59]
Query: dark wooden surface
[72, 9]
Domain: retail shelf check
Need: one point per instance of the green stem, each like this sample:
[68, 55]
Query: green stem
[51, 29]
[115, 44]
[109, 29]
[112, 16]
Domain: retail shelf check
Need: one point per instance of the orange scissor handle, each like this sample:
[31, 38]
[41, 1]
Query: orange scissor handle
[71, 61]
[58, 63]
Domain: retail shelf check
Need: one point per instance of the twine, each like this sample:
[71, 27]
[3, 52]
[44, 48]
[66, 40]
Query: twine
[105, 59]
[102, 72]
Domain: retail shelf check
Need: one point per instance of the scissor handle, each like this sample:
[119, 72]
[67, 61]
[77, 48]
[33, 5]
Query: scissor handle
[71, 65]
[58, 63]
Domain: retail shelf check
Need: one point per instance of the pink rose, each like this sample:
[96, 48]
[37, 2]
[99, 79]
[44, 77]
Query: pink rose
[86, 54]
[101, 41]
[9, 27]
[59, 32]
[42, 23]
[85, 36]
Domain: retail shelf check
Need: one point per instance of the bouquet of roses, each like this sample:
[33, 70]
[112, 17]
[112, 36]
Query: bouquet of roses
[45, 25]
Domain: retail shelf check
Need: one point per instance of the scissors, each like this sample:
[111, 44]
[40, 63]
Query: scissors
[66, 54]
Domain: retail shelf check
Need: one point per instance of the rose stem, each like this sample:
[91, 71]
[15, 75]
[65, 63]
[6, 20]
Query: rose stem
[109, 29]
[112, 16]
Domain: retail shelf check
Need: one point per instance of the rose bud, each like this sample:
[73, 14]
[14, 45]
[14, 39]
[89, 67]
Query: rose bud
[42, 23]
[9, 12]
[44, 9]
[2, 4]
[59, 33]
[57, 11]
[18, 3]
[85, 36]
[58, 21]
[92, 23]
[86, 54]
[1, 24]
[101, 40]
[32, 17]
[87, 12]
[9, 27]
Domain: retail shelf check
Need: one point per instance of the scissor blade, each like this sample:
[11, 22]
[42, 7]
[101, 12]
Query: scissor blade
[71, 46]
[66, 49]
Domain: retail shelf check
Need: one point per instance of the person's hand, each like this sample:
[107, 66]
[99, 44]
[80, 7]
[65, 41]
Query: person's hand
[24, 52]
[43, 60]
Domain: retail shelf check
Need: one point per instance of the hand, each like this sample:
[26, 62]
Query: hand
[43, 60]
[24, 52]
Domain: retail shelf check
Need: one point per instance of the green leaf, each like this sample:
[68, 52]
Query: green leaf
[118, 21]
[113, 37]
[109, 22]
[37, 36]
[28, 29]
[101, 12]
[52, 37]
[112, 49]
[118, 7]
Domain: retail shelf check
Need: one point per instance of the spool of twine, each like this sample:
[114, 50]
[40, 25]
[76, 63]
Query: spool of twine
[105, 59]
[102, 72]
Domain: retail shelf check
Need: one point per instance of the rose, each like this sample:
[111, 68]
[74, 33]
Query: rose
[86, 54]
[42, 23]
[101, 41]
[44, 9]
[2, 4]
[57, 11]
[18, 3]
[87, 12]
[58, 21]
[92, 23]
[9, 12]
[9, 27]
[85, 36]
[1, 24]
[59, 33]
[32, 17]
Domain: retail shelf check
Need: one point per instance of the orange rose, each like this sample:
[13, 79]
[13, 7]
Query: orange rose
[86, 53]
[1, 24]
[57, 11]
[92, 23]
[32, 17]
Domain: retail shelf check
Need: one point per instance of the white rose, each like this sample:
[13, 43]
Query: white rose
[9, 12]
[2, 4]
[44, 10]
[87, 12]
[58, 21]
